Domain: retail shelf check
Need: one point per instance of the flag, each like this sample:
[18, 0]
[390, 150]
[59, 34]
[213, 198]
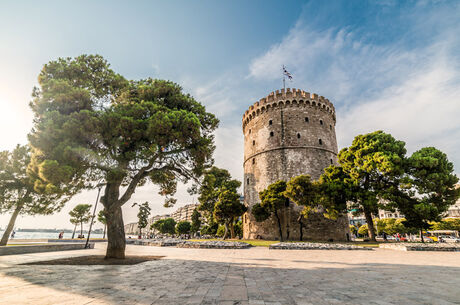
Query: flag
[286, 73]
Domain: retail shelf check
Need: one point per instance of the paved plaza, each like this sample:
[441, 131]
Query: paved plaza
[248, 276]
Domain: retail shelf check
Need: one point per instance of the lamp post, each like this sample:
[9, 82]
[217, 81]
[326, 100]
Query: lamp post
[99, 186]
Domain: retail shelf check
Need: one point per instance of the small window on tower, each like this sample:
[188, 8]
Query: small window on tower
[330, 127]
[321, 122]
[247, 181]
[332, 161]
[298, 136]
[253, 142]
[270, 122]
[271, 134]
[306, 119]
[253, 161]
[320, 142]
[249, 131]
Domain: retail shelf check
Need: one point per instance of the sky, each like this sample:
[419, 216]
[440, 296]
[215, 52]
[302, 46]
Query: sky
[386, 65]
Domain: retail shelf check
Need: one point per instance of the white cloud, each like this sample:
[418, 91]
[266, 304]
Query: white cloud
[412, 93]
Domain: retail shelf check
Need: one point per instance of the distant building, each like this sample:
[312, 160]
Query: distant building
[181, 214]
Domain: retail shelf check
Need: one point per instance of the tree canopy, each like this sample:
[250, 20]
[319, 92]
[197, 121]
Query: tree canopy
[228, 208]
[374, 163]
[165, 226]
[272, 202]
[80, 214]
[92, 124]
[196, 221]
[213, 181]
[429, 188]
[183, 227]
[18, 193]
[142, 215]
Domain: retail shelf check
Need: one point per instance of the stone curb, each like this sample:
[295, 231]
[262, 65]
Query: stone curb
[315, 246]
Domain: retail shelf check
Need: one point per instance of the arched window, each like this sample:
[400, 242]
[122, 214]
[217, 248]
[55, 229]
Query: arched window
[247, 181]
[320, 142]
[330, 127]
[321, 122]
[332, 161]
[270, 122]
[249, 131]
[298, 135]
[272, 133]
[306, 119]
[253, 142]
[253, 161]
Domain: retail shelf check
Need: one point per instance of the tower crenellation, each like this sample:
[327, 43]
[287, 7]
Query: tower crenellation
[289, 97]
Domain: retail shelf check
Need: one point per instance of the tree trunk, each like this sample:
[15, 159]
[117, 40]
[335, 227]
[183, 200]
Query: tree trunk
[421, 235]
[279, 226]
[115, 234]
[370, 225]
[10, 226]
[226, 231]
[74, 229]
[81, 229]
[232, 229]
[105, 228]
[300, 227]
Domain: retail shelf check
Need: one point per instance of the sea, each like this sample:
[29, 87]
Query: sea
[47, 235]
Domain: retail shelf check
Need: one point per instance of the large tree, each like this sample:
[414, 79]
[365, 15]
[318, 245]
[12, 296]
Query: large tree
[183, 227]
[272, 203]
[80, 214]
[227, 210]
[196, 221]
[374, 163]
[209, 188]
[165, 226]
[142, 216]
[91, 124]
[429, 188]
[18, 193]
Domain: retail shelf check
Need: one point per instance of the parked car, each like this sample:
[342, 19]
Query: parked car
[450, 239]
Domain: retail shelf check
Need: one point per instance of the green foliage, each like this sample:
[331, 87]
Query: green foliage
[80, 214]
[228, 208]
[220, 231]
[447, 224]
[304, 192]
[239, 229]
[183, 227]
[429, 188]
[392, 226]
[273, 201]
[196, 221]
[210, 229]
[165, 226]
[91, 123]
[17, 186]
[101, 217]
[372, 165]
[142, 215]
[336, 191]
[363, 230]
[213, 181]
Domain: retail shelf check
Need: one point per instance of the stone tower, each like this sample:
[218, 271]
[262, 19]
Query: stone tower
[287, 134]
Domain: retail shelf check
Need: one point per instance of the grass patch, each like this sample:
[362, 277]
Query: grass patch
[91, 260]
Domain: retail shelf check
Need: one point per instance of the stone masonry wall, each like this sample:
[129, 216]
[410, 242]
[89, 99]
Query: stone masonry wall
[288, 134]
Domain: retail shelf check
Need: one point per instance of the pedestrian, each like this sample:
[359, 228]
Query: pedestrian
[385, 236]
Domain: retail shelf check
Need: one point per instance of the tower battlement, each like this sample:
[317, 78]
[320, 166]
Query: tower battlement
[290, 97]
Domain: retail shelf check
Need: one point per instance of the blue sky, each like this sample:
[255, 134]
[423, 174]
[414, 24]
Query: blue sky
[391, 65]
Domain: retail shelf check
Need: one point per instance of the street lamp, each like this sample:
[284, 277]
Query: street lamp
[99, 186]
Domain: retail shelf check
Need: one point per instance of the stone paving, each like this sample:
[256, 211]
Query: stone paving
[233, 276]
